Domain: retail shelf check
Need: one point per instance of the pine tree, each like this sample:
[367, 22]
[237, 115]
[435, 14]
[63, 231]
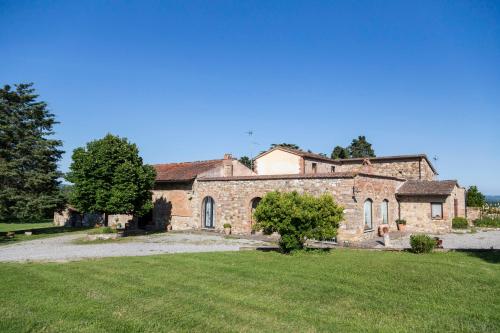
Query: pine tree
[28, 156]
[360, 147]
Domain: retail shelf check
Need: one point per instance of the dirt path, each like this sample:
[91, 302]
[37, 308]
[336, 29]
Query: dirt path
[65, 248]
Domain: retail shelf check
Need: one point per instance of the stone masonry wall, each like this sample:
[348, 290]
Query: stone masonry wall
[321, 166]
[407, 169]
[172, 206]
[473, 213]
[377, 190]
[416, 210]
[233, 200]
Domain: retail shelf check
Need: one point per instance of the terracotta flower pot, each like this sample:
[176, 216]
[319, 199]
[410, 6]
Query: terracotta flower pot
[402, 227]
[227, 231]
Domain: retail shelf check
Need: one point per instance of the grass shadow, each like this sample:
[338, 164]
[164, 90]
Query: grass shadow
[489, 255]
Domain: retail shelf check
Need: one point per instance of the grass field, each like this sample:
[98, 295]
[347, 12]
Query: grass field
[40, 230]
[343, 291]
[24, 226]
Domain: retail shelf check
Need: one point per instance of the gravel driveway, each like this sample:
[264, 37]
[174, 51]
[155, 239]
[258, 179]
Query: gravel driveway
[63, 248]
[480, 240]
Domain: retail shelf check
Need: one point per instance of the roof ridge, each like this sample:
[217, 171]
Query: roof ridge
[189, 162]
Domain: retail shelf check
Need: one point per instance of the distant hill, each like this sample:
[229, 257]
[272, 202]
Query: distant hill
[492, 198]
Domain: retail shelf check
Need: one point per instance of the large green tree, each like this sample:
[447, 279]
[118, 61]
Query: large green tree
[360, 147]
[29, 186]
[475, 198]
[109, 176]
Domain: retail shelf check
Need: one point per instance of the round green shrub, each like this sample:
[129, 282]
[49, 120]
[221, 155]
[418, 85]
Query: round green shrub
[422, 243]
[459, 223]
[227, 225]
[298, 217]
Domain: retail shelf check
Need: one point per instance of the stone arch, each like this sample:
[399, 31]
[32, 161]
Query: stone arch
[254, 202]
[208, 212]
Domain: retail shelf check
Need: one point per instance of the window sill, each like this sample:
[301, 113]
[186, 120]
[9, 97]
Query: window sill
[365, 231]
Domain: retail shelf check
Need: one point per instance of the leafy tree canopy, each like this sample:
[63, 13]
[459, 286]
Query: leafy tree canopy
[285, 145]
[245, 160]
[475, 198]
[297, 217]
[28, 156]
[109, 177]
[340, 153]
[360, 147]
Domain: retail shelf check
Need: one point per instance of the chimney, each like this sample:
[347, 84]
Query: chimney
[228, 165]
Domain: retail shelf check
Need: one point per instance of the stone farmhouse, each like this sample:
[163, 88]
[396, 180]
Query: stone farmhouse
[373, 191]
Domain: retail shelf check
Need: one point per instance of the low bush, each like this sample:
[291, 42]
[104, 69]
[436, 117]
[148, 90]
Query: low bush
[422, 243]
[400, 221]
[227, 225]
[102, 230]
[493, 222]
[459, 223]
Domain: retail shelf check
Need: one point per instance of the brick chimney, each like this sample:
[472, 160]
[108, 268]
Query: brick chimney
[228, 165]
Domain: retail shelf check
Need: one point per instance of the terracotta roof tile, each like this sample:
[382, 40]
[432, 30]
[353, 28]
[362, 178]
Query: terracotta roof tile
[185, 171]
[427, 187]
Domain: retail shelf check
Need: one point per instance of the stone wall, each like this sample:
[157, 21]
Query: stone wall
[375, 189]
[233, 199]
[411, 169]
[71, 218]
[172, 206]
[458, 194]
[67, 218]
[416, 210]
[321, 166]
[120, 221]
[473, 213]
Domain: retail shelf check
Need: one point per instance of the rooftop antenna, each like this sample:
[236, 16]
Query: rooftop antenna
[250, 134]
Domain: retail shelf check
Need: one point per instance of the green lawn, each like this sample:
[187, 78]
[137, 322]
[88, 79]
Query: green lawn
[4, 227]
[341, 291]
[40, 230]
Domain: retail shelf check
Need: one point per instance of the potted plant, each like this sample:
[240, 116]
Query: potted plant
[227, 228]
[401, 224]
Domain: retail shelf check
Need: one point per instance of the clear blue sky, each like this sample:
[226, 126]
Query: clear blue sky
[186, 79]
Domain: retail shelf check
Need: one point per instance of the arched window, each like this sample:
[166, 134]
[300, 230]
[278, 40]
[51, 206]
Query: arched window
[208, 212]
[253, 205]
[368, 214]
[384, 210]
